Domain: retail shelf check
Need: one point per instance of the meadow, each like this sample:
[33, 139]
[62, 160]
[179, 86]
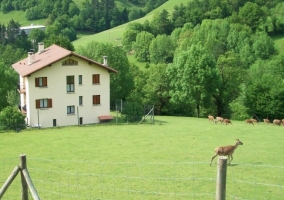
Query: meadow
[166, 160]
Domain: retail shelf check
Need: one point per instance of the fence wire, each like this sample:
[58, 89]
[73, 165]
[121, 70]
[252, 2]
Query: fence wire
[67, 179]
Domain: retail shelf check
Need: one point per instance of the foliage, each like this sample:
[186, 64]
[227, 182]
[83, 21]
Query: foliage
[141, 46]
[193, 77]
[8, 79]
[12, 119]
[132, 112]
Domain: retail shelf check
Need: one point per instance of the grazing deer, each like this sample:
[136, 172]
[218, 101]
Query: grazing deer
[227, 121]
[249, 121]
[254, 121]
[266, 121]
[211, 118]
[277, 122]
[219, 119]
[226, 151]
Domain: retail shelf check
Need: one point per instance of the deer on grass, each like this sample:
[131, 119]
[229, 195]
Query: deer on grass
[249, 121]
[254, 121]
[211, 118]
[277, 122]
[219, 119]
[266, 121]
[227, 121]
[226, 151]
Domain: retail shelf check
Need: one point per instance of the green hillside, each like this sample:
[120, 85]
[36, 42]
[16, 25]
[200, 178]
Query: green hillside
[114, 35]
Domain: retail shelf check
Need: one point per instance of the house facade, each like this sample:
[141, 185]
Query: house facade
[60, 88]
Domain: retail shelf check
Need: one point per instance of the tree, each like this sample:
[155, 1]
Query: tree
[8, 79]
[161, 23]
[193, 77]
[157, 87]
[141, 46]
[60, 40]
[231, 74]
[161, 49]
[122, 83]
[264, 91]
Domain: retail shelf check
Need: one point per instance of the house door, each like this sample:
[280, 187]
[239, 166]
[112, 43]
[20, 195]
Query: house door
[81, 120]
[54, 122]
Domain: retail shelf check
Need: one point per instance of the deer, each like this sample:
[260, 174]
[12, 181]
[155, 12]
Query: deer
[254, 121]
[211, 118]
[277, 122]
[249, 121]
[226, 151]
[219, 119]
[266, 121]
[227, 121]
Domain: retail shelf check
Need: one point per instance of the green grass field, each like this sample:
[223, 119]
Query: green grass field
[167, 160]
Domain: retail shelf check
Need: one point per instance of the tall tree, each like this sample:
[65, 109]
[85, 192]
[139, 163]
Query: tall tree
[141, 46]
[193, 77]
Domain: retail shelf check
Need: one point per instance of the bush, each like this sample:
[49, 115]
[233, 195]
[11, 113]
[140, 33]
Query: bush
[12, 119]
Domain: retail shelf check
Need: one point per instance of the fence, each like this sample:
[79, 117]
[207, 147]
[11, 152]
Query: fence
[77, 179]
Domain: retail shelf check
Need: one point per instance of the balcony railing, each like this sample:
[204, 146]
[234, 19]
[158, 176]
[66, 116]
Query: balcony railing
[21, 88]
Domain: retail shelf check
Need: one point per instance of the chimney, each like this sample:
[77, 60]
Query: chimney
[105, 60]
[30, 58]
[40, 47]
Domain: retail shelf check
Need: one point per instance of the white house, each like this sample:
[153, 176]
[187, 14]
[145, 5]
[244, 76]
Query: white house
[59, 87]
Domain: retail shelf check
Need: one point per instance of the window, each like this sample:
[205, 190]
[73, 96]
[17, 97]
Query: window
[80, 79]
[44, 103]
[70, 84]
[96, 99]
[41, 82]
[80, 100]
[70, 109]
[69, 62]
[96, 78]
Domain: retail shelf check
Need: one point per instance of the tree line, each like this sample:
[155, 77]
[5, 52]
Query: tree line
[92, 15]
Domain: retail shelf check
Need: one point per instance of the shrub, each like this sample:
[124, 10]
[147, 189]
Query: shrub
[12, 119]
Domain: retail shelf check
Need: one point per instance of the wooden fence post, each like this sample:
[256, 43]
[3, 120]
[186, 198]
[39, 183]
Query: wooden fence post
[221, 178]
[23, 161]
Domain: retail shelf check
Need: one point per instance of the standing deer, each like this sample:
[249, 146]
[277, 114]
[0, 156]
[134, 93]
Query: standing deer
[254, 121]
[211, 118]
[227, 121]
[249, 121]
[277, 122]
[266, 121]
[219, 119]
[226, 151]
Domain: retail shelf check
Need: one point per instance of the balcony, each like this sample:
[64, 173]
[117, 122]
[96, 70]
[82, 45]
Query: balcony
[21, 88]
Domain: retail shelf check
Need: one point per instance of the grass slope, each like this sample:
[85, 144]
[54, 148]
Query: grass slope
[167, 160]
[114, 35]
[18, 16]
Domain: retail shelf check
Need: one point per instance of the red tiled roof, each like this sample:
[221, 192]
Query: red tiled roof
[46, 58]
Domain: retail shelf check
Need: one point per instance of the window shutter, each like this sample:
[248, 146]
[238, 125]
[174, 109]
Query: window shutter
[37, 103]
[96, 78]
[49, 103]
[37, 82]
[44, 81]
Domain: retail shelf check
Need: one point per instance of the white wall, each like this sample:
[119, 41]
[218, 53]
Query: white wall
[56, 90]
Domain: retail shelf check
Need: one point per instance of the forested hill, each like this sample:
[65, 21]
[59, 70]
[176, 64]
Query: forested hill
[206, 57]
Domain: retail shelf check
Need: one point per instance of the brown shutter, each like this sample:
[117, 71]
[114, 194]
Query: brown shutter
[98, 78]
[49, 103]
[37, 103]
[98, 99]
[94, 78]
[37, 82]
[44, 81]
